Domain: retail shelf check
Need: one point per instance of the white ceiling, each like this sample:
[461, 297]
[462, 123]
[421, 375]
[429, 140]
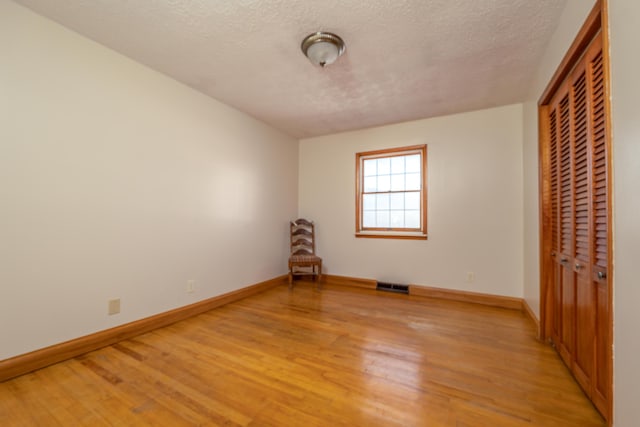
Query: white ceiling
[405, 59]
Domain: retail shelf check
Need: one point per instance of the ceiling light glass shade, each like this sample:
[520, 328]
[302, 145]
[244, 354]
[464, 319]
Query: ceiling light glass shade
[322, 48]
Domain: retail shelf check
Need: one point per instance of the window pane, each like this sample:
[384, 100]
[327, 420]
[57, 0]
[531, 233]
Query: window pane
[397, 164]
[397, 201]
[413, 163]
[384, 183]
[369, 202]
[370, 167]
[390, 190]
[397, 219]
[369, 219]
[397, 182]
[382, 201]
[382, 219]
[413, 181]
[384, 166]
[412, 200]
[412, 219]
[370, 184]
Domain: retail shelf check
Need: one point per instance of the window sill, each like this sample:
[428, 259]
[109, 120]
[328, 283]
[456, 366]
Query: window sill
[392, 235]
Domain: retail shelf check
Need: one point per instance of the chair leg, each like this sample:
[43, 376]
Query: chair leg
[290, 279]
[319, 276]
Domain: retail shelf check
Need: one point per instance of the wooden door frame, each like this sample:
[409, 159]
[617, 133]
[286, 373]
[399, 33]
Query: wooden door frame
[595, 22]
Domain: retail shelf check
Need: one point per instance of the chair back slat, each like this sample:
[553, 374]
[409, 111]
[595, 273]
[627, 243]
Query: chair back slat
[302, 232]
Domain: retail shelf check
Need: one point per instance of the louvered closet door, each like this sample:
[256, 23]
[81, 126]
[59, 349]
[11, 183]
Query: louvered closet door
[584, 291]
[565, 284]
[554, 196]
[578, 229]
[576, 259]
[599, 236]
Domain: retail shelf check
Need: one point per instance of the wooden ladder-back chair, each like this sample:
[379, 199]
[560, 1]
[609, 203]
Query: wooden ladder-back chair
[303, 259]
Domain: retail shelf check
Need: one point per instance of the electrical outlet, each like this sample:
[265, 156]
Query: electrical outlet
[191, 286]
[114, 306]
[471, 277]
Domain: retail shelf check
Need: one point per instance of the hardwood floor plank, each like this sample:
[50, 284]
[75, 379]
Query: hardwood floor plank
[341, 356]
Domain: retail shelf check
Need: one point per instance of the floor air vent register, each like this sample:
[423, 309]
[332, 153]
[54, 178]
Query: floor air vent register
[392, 287]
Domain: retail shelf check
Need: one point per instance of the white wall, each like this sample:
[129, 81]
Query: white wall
[474, 203]
[573, 16]
[118, 182]
[625, 95]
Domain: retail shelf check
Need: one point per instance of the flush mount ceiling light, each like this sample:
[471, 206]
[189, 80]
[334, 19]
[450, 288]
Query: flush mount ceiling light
[322, 48]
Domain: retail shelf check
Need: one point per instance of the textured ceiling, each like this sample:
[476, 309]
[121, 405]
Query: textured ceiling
[405, 59]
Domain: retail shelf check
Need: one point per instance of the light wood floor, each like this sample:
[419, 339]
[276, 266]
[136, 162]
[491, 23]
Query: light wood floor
[338, 357]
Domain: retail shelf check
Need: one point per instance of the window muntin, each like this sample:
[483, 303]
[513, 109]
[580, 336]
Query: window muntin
[391, 193]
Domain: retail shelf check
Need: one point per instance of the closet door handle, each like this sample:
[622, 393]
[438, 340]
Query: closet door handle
[563, 260]
[578, 266]
[602, 275]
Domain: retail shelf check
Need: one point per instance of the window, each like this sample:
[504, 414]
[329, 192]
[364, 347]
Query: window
[391, 193]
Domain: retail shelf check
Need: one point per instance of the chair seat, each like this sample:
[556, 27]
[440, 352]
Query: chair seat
[299, 259]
